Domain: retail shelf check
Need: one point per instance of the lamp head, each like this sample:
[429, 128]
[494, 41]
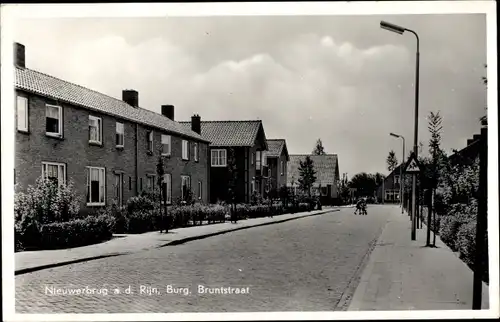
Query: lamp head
[394, 135]
[392, 27]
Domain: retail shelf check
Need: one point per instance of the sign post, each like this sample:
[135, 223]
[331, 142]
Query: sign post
[413, 168]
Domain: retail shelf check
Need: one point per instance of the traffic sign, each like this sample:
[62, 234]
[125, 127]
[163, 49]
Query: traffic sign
[412, 166]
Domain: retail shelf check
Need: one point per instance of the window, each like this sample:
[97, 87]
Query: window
[95, 186]
[118, 189]
[185, 150]
[165, 144]
[150, 182]
[252, 187]
[196, 152]
[167, 188]
[200, 186]
[258, 160]
[22, 113]
[282, 167]
[120, 135]
[53, 120]
[396, 179]
[55, 172]
[219, 158]
[185, 186]
[252, 158]
[150, 141]
[95, 129]
[324, 191]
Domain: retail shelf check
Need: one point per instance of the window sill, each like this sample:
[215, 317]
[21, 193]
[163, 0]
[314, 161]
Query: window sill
[54, 136]
[120, 147]
[165, 155]
[219, 166]
[23, 131]
[95, 143]
[94, 204]
[185, 159]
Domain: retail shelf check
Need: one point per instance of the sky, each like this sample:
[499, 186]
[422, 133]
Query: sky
[339, 78]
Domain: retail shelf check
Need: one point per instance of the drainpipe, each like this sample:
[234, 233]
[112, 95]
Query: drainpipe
[136, 159]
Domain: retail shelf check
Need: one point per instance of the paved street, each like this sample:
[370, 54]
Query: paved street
[308, 264]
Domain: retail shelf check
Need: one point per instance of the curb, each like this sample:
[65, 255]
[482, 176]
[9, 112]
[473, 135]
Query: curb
[188, 239]
[172, 243]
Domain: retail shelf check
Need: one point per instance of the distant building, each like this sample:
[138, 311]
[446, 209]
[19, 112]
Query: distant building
[327, 174]
[248, 141]
[389, 191]
[277, 161]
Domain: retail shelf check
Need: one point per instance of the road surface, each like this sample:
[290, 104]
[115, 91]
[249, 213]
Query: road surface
[309, 264]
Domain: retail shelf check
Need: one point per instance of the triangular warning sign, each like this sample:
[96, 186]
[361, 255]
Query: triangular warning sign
[412, 165]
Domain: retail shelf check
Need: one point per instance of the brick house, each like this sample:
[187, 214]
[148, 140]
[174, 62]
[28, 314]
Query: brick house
[108, 147]
[248, 141]
[277, 161]
[327, 176]
[389, 190]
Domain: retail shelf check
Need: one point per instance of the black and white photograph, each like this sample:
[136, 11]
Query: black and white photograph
[218, 161]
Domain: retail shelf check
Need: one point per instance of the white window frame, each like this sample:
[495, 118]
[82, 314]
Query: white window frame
[60, 119]
[258, 160]
[118, 187]
[59, 165]
[183, 177]
[99, 130]
[122, 134]
[151, 141]
[220, 157]
[165, 137]
[200, 190]
[185, 150]
[101, 184]
[148, 178]
[25, 104]
[252, 158]
[396, 179]
[167, 181]
[196, 151]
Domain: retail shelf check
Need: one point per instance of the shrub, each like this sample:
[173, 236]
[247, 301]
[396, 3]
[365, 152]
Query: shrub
[79, 232]
[448, 230]
[142, 221]
[46, 203]
[120, 217]
[466, 242]
[139, 204]
[27, 233]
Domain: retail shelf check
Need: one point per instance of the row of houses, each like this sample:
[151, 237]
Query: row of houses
[109, 148]
[389, 190]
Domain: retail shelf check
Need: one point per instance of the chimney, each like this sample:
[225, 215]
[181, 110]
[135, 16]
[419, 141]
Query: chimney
[131, 97]
[196, 123]
[19, 56]
[168, 111]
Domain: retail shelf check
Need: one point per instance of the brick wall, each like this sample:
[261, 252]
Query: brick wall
[74, 150]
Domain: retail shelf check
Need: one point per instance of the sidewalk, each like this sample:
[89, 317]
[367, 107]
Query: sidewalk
[402, 274]
[126, 244]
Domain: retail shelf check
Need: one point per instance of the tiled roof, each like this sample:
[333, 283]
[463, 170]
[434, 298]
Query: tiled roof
[49, 86]
[229, 133]
[324, 165]
[275, 147]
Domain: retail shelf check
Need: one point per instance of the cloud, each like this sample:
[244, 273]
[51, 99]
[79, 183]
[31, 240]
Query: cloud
[304, 83]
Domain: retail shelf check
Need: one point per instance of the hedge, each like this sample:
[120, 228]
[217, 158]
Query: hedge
[75, 233]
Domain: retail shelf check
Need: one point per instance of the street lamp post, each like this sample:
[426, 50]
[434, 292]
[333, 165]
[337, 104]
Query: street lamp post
[401, 181]
[400, 30]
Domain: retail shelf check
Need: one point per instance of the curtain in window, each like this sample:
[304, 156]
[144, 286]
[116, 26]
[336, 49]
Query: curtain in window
[52, 122]
[94, 129]
[21, 113]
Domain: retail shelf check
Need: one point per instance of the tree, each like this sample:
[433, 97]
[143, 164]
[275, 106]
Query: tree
[392, 161]
[319, 149]
[364, 183]
[160, 172]
[307, 175]
[437, 157]
[233, 177]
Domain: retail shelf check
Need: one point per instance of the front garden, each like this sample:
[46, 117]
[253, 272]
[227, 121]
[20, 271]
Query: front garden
[48, 217]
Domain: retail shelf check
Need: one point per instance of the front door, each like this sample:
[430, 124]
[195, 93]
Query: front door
[119, 189]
